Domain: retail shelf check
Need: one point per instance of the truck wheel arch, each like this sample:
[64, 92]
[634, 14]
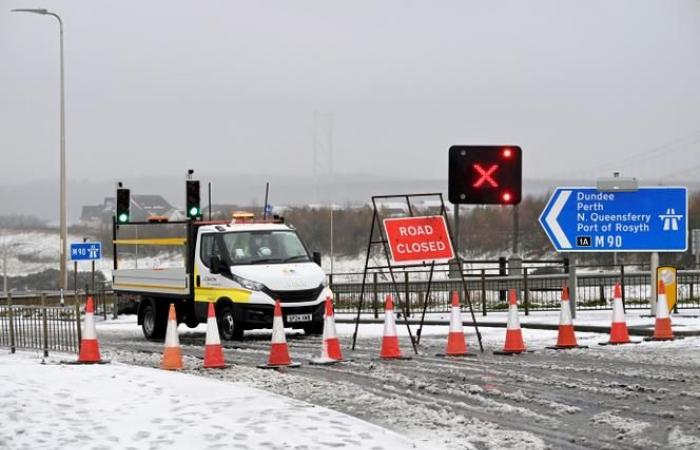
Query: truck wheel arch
[229, 328]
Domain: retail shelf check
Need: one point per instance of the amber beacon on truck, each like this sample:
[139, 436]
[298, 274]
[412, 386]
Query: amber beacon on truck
[241, 265]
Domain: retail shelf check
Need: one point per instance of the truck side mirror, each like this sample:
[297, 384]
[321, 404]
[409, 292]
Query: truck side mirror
[317, 258]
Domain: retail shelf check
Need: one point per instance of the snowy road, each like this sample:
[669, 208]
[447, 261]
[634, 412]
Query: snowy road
[639, 396]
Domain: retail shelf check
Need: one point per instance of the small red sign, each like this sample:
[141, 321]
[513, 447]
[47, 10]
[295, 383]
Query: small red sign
[418, 240]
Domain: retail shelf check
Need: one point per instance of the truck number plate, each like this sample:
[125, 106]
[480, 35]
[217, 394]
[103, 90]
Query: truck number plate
[299, 318]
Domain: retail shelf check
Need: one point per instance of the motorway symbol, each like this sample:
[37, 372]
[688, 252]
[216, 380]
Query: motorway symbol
[589, 220]
[86, 251]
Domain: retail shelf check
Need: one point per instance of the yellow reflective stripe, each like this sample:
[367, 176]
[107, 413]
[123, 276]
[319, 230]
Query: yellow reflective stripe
[212, 294]
[158, 241]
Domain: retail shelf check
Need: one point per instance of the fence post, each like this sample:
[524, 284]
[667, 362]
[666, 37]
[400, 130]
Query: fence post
[115, 304]
[11, 320]
[483, 291]
[526, 293]
[622, 286]
[45, 324]
[77, 321]
[375, 297]
[104, 302]
[407, 294]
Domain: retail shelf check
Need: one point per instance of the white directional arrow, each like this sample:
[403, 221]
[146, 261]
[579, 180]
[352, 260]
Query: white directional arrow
[552, 217]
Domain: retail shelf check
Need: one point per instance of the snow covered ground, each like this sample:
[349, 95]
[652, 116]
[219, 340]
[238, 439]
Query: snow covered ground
[636, 396]
[116, 406]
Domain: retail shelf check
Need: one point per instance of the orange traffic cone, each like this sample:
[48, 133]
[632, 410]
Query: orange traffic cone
[213, 353]
[89, 347]
[456, 342]
[662, 329]
[331, 352]
[279, 352]
[567, 337]
[172, 353]
[514, 336]
[390, 341]
[618, 328]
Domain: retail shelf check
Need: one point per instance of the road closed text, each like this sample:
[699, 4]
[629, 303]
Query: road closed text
[418, 239]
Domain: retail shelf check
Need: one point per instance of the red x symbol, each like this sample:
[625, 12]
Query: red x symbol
[485, 175]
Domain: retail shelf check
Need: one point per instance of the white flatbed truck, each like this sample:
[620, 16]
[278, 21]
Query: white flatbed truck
[240, 267]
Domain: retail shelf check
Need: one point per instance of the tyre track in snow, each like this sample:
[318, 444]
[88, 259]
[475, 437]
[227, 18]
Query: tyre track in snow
[552, 395]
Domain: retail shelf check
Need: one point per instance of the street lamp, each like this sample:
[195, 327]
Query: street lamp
[63, 280]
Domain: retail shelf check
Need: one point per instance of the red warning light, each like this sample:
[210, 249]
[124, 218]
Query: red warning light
[507, 197]
[507, 153]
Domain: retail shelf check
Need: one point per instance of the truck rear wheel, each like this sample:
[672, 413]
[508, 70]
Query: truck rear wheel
[229, 328]
[154, 320]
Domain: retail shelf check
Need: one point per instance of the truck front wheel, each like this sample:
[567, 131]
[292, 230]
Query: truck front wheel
[229, 328]
[154, 320]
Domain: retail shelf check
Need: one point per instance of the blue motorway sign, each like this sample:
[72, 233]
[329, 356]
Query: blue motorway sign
[652, 219]
[85, 251]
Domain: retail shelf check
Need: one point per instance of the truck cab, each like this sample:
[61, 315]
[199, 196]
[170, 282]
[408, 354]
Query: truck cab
[242, 267]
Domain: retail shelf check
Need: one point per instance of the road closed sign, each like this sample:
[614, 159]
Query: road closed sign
[415, 240]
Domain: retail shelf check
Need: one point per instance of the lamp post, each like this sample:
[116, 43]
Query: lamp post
[63, 281]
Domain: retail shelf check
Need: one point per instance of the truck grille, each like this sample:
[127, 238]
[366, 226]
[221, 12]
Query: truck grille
[305, 295]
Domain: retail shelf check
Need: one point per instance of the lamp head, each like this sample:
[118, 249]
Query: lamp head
[32, 10]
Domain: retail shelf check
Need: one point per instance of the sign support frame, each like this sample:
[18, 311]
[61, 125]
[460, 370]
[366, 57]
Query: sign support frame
[382, 240]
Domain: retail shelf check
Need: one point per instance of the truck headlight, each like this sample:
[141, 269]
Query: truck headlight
[248, 284]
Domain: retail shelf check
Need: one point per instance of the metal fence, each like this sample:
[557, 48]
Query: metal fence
[40, 327]
[488, 290]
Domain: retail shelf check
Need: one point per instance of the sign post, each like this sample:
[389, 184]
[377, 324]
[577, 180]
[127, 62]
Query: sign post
[695, 237]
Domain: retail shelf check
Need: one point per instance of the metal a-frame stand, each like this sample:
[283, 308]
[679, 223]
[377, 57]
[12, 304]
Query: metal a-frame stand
[381, 240]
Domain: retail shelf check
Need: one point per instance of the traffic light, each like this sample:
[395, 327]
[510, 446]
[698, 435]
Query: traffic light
[123, 201]
[485, 174]
[194, 211]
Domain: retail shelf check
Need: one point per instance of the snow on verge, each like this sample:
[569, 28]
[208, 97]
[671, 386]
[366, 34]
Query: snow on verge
[120, 406]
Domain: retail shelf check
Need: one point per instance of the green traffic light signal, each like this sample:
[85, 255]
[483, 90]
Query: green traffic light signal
[194, 212]
[123, 218]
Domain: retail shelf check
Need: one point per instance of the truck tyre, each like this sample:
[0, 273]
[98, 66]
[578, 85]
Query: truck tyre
[314, 328]
[229, 328]
[154, 320]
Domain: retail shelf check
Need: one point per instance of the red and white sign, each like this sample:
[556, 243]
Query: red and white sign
[414, 240]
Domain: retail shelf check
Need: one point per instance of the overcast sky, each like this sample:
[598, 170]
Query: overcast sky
[232, 86]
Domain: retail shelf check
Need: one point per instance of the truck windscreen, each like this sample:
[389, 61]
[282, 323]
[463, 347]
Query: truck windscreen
[264, 247]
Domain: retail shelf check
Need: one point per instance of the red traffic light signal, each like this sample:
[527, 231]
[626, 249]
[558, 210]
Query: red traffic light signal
[485, 174]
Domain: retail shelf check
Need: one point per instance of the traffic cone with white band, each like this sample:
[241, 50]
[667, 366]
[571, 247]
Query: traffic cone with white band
[390, 340]
[279, 352]
[172, 353]
[662, 328]
[213, 353]
[456, 342]
[331, 352]
[514, 336]
[618, 329]
[567, 335]
[89, 347]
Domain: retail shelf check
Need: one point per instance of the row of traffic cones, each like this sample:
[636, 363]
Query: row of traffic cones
[279, 351]
[566, 338]
[332, 353]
